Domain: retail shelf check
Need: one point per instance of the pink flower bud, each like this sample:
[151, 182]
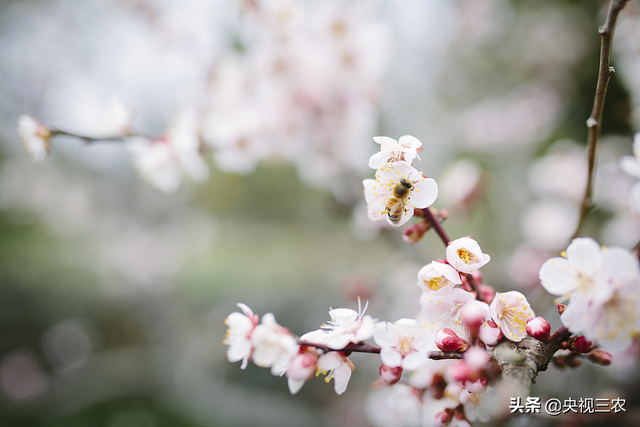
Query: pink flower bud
[581, 344]
[302, 367]
[538, 328]
[477, 357]
[390, 375]
[443, 418]
[490, 333]
[561, 308]
[447, 340]
[462, 372]
[478, 386]
[601, 357]
[487, 292]
[473, 315]
[414, 233]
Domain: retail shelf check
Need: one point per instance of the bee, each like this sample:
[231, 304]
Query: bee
[395, 205]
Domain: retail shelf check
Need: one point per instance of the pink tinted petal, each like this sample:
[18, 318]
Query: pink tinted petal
[294, 385]
[585, 255]
[410, 142]
[619, 262]
[424, 193]
[384, 141]
[390, 357]
[413, 361]
[383, 335]
[558, 276]
[630, 165]
[378, 160]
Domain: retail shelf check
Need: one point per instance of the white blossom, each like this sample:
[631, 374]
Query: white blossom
[438, 277]
[403, 343]
[510, 311]
[391, 150]
[465, 255]
[35, 137]
[238, 336]
[273, 345]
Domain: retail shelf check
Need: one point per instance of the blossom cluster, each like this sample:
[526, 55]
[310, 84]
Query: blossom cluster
[601, 286]
[304, 72]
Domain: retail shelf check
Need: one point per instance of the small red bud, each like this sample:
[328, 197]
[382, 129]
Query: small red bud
[601, 357]
[390, 375]
[581, 344]
[462, 372]
[415, 232]
[443, 418]
[561, 308]
[447, 340]
[538, 328]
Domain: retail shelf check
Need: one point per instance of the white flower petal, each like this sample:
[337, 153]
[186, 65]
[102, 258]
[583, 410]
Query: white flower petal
[558, 276]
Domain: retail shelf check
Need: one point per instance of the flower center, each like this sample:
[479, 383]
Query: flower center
[466, 256]
[436, 283]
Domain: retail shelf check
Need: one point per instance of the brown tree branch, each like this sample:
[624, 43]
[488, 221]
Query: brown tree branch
[368, 348]
[594, 122]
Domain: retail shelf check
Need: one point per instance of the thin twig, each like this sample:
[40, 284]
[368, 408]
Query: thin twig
[90, 139]
[476, 288]
[594, 122]
[368, 348]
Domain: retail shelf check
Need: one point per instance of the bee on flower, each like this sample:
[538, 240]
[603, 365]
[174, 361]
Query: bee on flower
[397, 190]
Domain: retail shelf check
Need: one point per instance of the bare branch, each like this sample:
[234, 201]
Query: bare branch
[368, 348]
[594, 122]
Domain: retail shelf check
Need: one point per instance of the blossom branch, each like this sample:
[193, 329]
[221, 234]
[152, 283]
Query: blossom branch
[368, 348]
[594, 122]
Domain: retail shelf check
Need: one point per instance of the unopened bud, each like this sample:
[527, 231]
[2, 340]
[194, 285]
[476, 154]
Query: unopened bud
[490, 333]
[478, 386]
[477, 357]
[561, 308]
[538, 328]
[601, 357]
[390, 375]
[414, 233]
[573, 362]
[447, 340]
[462, 372]
[581, 344]
[443, 418]
[302, 367]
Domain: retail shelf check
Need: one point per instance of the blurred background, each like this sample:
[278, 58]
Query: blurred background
[113, 294]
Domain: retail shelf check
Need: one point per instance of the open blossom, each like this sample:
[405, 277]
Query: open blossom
[335, 365]
[273, 345]
[511, 310]
[405, 149]
[446, 311]
[438, 277]
[403, 343]
[465, 255]
[346, 326]
[602, 285]
[35, 137]
[238, 336]
[384, 203]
